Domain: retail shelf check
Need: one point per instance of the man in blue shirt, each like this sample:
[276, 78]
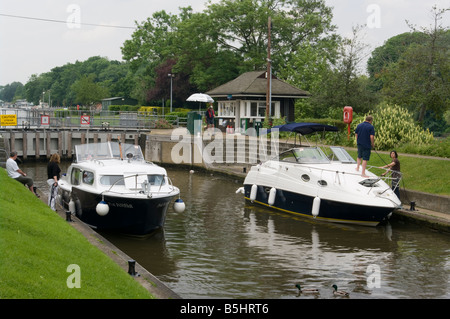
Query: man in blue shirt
[365, 139]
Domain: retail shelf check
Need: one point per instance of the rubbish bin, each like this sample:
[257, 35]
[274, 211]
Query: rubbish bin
[258, 126]
[194, 119]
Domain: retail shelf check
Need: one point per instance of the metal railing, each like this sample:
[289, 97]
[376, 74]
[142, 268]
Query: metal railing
[54, 119]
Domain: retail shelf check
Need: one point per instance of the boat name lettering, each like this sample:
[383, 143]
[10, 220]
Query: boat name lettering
[121, 205]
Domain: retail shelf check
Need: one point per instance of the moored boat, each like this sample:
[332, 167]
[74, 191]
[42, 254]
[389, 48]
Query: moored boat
[111, 187]
[321, 184]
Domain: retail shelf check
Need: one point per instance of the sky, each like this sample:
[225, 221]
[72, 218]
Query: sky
[30, 46]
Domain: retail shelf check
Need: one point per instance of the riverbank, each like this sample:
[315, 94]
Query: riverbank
[45, 257]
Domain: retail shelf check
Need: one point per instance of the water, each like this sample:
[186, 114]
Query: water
[221, 248]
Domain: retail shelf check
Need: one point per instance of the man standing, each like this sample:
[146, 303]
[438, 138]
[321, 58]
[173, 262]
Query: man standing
[365, 139]
[15, 172]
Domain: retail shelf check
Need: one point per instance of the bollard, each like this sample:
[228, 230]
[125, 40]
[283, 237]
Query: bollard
[131, 270]
[412, 206]
[244, 169]
[68, 216]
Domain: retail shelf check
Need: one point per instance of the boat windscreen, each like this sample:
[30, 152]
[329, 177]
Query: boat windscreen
[304, 155]
[108, 150]
[342, 155]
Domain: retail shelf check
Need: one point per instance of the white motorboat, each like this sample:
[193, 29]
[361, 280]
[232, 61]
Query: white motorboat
[109, 191]
[321, 184]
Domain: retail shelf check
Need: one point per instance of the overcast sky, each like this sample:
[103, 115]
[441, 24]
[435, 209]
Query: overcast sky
[29, 46]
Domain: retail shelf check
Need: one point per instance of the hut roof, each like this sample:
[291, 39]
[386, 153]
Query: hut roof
[254, 84]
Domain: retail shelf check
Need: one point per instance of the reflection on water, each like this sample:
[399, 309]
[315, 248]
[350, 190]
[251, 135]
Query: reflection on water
[221, 248]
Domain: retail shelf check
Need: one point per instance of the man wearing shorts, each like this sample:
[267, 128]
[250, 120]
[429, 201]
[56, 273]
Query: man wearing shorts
[15, 172]
[365, 139]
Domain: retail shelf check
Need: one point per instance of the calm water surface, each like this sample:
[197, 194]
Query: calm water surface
[221, 248]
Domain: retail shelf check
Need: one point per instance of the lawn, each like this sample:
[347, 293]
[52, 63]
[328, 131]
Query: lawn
[39, 252]
[423, 174]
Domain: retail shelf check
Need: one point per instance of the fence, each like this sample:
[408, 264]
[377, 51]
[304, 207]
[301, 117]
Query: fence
[54, 119]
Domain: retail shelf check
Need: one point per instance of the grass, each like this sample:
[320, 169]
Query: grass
[37, 246]
[419, 173]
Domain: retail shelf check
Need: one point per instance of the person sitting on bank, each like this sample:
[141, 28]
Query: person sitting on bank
[15, 172]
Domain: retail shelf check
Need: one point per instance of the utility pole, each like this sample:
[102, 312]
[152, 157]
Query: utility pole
[269, 73]
[171, 76]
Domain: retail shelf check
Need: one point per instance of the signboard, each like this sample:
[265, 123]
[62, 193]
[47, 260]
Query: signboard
[8, 120]
[45, 120]
[85, 120]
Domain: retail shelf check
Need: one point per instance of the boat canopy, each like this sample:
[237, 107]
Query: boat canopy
[304, 128]
[108, 150]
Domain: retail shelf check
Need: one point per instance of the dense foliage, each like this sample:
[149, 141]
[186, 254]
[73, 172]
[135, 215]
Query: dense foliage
[206, 49]
[394, 125]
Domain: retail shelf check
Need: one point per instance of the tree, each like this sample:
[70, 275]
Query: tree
[11, 92]
[228, 38]
[420, 79]
[333, 77]
[87, 91]
[388, 53]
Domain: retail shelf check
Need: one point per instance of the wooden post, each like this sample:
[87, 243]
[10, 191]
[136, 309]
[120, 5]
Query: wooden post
[37, 140]
[69, 144]
[60, 144]
[48, 144]
[24, 145]
[13, 141]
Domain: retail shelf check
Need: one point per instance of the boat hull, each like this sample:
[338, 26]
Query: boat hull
[129, 215]
[330, 210]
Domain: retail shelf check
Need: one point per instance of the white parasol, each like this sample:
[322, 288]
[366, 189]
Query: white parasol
[200, 97]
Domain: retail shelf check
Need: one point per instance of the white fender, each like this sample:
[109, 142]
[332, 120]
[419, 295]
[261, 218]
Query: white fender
[315, 207]
[102, 208]
[253, 192]
[272, 195]
[72, 208]
[179, 205]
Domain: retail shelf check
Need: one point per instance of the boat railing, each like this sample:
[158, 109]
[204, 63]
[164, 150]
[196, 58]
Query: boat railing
[391, 177]
[141, 186]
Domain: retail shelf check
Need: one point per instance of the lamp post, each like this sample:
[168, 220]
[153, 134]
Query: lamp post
[171, 76]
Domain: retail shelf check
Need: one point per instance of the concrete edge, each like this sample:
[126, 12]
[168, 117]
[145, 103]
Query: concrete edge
[420, 217]
[157, 288]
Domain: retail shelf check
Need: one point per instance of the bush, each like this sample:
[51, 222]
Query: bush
[394, 126]
[162, 123]
[439, 148]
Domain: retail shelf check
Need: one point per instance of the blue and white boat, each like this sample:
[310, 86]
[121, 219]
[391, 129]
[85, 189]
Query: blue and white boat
[319, 183]
[111, 187]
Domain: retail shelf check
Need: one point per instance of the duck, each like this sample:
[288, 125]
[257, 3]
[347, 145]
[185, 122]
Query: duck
[341, 293]
[306, 290]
